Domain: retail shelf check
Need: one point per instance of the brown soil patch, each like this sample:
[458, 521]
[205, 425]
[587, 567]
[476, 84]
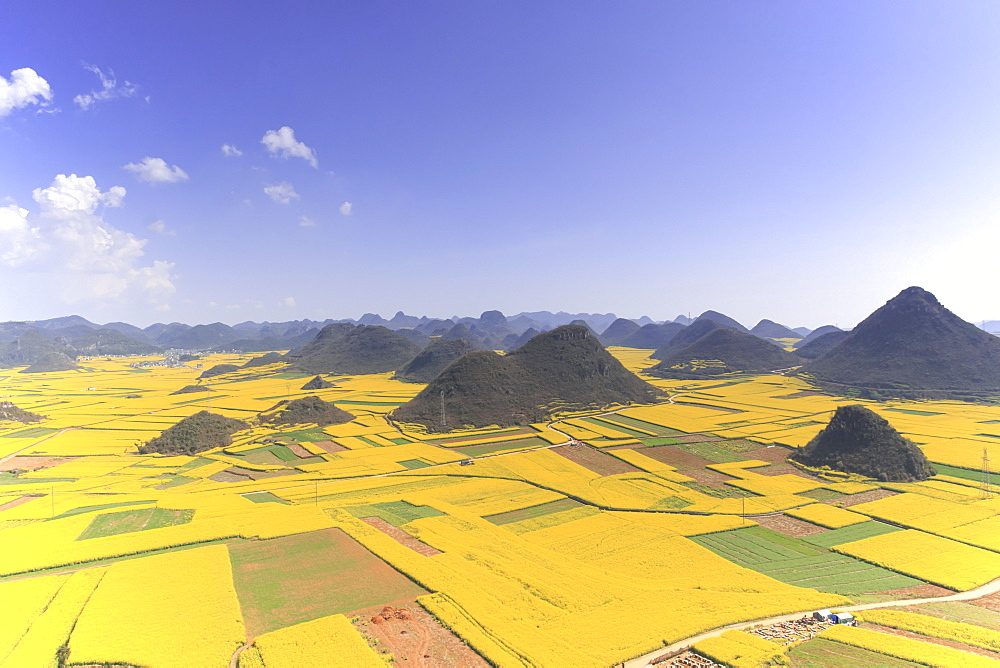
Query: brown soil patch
[329, 446]
[863, 497]
[916, 591]
[30, 463]
[802, 394]
[777, 456]
[227, 476]
[789, 526]
[401, 536]
[415, 638]
[298, 450]
[260, 475]
[937, 641]
[673, 456]
[595, 460]
[710, 478]
[16, 502]
[990, 602]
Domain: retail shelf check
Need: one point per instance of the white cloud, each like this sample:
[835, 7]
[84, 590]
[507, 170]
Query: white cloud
[346, 208]
[289, 302]
[282, 142]
[73, 195]
[109, 89]
[282, 192]
[75, 253]
[19, 242]
[231, 151]
[306, 221]
[160, 227]
[24, 88]
[156, 170]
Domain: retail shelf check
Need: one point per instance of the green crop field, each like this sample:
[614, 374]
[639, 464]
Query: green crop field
[627, 421]
[301, 577]
[112, 524]
[849, 534]
[396, 513]
[793, 561]
[826, 653]
[530, 512]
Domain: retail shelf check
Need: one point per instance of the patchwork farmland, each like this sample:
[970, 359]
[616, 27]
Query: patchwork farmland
[680, 516]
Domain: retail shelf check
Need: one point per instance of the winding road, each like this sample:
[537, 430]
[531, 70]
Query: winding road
[681, 645]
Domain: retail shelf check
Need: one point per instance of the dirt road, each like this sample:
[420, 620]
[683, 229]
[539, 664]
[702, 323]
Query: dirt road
[646, 659]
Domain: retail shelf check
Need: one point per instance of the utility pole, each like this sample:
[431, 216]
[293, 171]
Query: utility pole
[444, 421]
[987, 491]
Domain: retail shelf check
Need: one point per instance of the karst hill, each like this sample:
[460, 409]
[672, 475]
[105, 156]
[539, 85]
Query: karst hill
[565, 367]
[306, 410]
[52, 362]
[353, 350]
[724, 350]
[913, 344]
[10, 411]
[858, 440]
[433, 359]
[196, 433]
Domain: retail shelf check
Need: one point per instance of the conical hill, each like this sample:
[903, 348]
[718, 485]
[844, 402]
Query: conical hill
[618, 331]
[768, 329]
[858, 440]
[9, 411]
[51, 362]
[562, 368]
[913, 343]
[724, 350]
[317, 383]
[433, 359]
[306, 410]
[364, 349]
[684, 338]
[821, 345]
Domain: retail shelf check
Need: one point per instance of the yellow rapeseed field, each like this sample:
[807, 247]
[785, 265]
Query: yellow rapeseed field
[328, 641]
[174, 609]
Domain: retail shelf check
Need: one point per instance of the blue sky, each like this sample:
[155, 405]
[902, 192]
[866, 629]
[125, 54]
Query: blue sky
[795, 161]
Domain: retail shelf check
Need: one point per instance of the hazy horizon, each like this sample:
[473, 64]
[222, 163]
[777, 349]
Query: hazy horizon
[797, 162]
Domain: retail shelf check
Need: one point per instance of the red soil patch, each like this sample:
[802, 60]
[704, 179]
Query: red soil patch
[298, 450]
[298, 578]
[416, 638]
[863, 497]
[227, 476]
[401, 536]
[237, 474]
[676, 457]
[329, 446]
[802, 394]
[916, 591]
[30, 463]
[595, 460]
[16, 502]
[937, 641]
[777, 455]
[789, 526]
[991, 602]
[690, 465]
